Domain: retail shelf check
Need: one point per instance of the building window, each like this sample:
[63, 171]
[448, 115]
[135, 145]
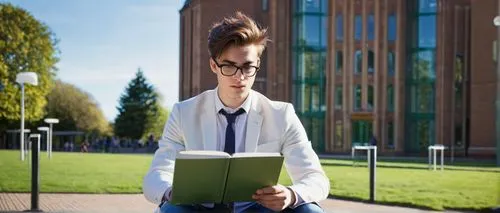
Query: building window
[265, 5]
[423, 65]
[338, 134]
[339, 62]
[427, 31]
[338, 97]
[358, 61]
[357, 97]
[391, 63]
[420, 83]
[324, 26]
[309, 31]
[371, 62]
[371, 102]
[423, 98]
[427, 6]
[391, 27]
[308, 6]
[425, 130]
[390, 98]
[315, 98]
[358, 27]
[324, 6]
[340, 27]
[371, 27]
[390, 135]
[312, 31]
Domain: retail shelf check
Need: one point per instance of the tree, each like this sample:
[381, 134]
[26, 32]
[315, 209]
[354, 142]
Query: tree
[26, 44]
[138, 102]
[156, 122]
[76, 110]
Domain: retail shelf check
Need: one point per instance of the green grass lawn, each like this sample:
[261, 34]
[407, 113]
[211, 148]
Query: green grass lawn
[462, 186]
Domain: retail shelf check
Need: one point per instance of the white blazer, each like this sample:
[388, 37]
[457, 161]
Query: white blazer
[272, 126]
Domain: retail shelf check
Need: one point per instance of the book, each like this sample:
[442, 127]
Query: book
[217, 177]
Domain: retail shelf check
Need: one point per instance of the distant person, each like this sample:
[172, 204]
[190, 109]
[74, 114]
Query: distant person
[115, 146]
[151, 143]
[234, 118]
[107, 144]
[84, 147]
[373, 141]
[66, 146]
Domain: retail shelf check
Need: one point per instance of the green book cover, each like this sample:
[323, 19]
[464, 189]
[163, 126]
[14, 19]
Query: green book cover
[217, 177]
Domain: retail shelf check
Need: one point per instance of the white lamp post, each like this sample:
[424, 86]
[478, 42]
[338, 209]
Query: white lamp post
[26, 143]
[50, 121]
[46, 130]
[25, 78]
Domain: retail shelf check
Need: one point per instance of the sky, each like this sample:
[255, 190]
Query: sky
[104, 42]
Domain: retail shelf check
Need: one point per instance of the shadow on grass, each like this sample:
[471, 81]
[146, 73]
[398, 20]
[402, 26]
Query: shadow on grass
[469, 162]
[411, 205]
[454, 168]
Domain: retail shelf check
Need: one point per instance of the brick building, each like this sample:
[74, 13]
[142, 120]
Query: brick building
[409, 72]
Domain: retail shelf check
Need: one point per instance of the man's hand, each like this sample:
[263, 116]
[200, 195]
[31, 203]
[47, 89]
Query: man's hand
[275, 198]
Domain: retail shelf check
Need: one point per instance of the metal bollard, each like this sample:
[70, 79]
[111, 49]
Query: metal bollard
[35, 175]
[373, 165]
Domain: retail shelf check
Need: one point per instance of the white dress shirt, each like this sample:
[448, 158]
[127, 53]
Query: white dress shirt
[239, 127]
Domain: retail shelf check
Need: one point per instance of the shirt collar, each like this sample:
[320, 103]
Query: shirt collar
[219, 105]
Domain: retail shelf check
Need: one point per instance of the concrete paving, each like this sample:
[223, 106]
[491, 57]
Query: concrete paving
[136, 203]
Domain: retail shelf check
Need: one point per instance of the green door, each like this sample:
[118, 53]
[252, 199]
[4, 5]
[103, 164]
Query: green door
[361, 132]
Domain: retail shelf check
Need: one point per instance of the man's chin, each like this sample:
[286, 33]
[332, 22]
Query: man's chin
[240, 93]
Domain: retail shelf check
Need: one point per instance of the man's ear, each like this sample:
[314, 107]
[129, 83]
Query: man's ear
[213, 66]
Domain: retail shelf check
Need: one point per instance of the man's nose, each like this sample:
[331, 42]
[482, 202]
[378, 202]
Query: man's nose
[239, 74]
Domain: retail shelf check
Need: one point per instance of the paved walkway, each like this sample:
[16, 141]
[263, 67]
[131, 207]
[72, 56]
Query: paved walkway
[135, 203]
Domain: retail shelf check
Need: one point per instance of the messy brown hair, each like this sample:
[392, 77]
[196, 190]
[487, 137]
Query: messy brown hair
[239, 30]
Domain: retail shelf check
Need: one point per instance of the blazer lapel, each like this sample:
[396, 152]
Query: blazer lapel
[254, 124]
[209, 125]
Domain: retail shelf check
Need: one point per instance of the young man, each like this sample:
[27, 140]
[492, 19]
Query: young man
[234, 118]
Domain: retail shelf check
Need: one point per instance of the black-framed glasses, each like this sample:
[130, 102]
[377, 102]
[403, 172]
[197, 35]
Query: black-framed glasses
[231, 69]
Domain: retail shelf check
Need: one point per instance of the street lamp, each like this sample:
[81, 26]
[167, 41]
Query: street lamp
[46, 130]
[25, 78]
[50, 121]
[26, 143]
[496, 22]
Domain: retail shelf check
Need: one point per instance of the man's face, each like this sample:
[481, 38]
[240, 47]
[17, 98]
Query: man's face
[238, 85]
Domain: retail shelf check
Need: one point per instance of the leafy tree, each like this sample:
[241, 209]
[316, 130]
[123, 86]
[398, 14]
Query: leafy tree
[76, 110]
[26, 44]
[136, 105]
[156, 122]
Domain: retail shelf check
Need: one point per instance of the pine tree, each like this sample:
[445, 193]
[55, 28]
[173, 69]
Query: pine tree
[138, 101]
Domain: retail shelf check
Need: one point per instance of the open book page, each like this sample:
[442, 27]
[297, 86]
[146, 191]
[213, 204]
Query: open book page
[247, 173]
[255, 154]
[201, 154]
[199, 177]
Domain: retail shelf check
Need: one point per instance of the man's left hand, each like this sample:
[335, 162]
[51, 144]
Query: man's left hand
[275, 198]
